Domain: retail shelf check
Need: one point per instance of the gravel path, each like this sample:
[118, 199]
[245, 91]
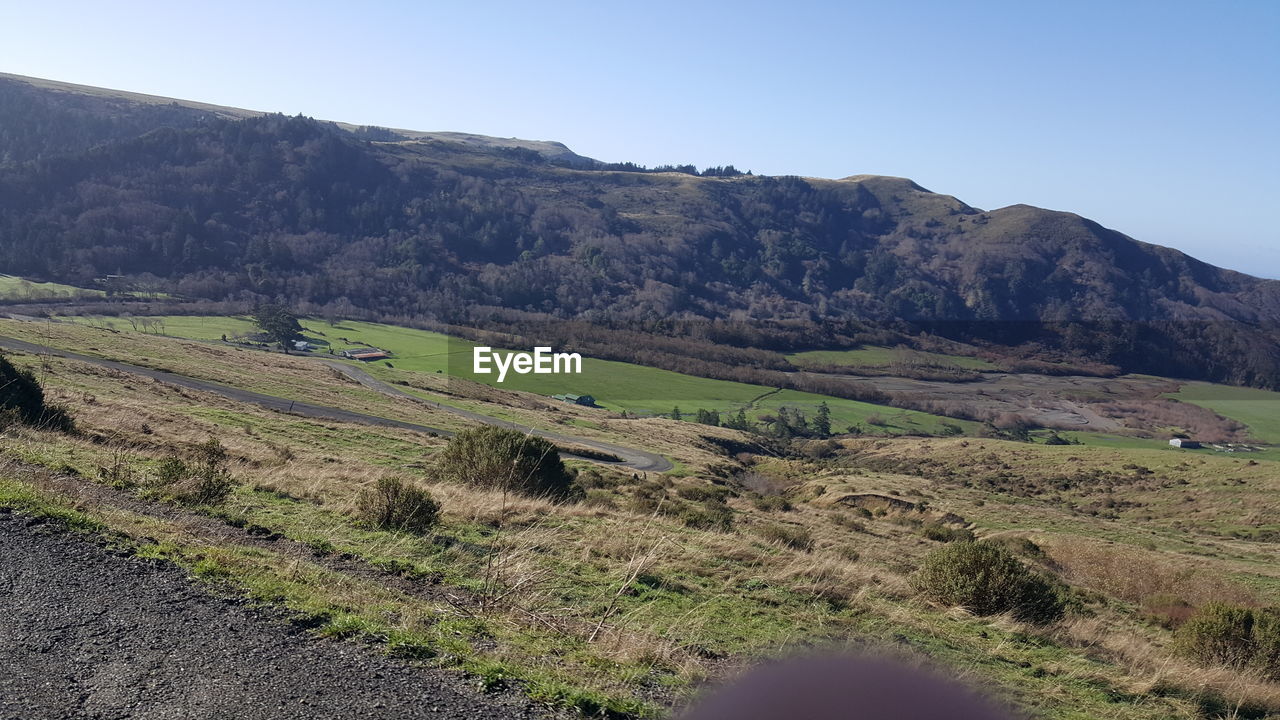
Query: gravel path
[86, 632]
[632, 458]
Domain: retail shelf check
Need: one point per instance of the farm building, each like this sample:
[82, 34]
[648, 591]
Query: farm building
[366, 354]
[303, 346]
[1185, 444]
[585, 400]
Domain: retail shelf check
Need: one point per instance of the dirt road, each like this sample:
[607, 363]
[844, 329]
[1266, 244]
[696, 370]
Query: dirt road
[86, 632]
[633, 458]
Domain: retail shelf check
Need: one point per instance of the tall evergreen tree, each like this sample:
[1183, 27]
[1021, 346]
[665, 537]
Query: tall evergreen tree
[277, 323]
[822, 421]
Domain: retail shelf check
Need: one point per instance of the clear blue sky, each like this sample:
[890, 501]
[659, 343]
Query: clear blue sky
[1159, 119]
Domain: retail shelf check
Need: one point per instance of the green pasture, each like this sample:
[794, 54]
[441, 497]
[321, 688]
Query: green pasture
[16, 288]
[616, 385]
[1258, 409]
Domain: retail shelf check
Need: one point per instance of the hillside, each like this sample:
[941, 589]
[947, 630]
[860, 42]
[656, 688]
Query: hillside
[625, 601]
[218, 204]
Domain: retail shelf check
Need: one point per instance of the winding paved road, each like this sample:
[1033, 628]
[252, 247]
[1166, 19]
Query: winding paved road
[633, 458]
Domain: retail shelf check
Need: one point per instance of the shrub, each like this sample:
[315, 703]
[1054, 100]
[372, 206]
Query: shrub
[120, 473]
[203, 481]
[820, 449]
[393, 504]
[945, 533]
[601, 499]
[497, 458]
[707, 516]
[771, 503]
[1232, 635]
[22, 401]
[1167, 610]
[1021, 546]
[593, 478]
[987, 579]
[792, 536]
[700, 493]
[848, 521]
[1266, 640]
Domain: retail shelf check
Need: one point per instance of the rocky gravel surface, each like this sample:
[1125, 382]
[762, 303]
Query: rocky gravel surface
[91, 632]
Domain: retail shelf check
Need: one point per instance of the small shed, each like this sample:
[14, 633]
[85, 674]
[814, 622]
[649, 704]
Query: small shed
[1185, 444]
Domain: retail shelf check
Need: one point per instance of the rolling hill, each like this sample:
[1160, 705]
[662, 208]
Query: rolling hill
[219, 204]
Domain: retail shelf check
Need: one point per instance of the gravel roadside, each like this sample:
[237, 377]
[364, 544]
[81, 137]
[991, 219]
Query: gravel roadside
[88, 632]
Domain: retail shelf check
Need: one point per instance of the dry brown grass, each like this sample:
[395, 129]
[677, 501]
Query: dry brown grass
[1136, 575]
[525, 565]
[1153, 670]
[1199, 422]
[309, 380]
[831, 578]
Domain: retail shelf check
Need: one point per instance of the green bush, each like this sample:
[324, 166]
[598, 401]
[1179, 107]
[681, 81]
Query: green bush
[847, 521]
[1238, 637]
[205, 480]
[713, 493]
[393, 504]
[1166, 609]
[771, 503]
[22, 401]
[606, 499]
[792, 536]
[497, 458]
[1022, 547]
[1266, 640]
[710, 515]
[945, 533]
[987, 579]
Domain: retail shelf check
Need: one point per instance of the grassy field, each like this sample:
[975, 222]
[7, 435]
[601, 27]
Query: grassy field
[16, 288]
[617, 386]
[613, 604]
[1258, 409]
[880, 356]
[309, 380]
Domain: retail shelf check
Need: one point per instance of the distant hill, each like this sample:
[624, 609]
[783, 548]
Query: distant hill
[219, 203]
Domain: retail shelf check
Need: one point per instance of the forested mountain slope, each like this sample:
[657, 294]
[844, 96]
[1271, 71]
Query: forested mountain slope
[220, 205]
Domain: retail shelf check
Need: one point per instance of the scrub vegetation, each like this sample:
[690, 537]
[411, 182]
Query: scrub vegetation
[628, 592]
